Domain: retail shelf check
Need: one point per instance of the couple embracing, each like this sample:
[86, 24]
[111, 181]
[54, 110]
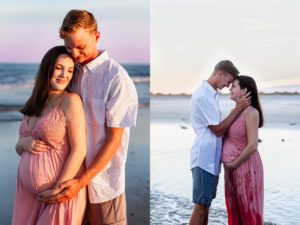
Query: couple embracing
[75, 133]
[233, 141]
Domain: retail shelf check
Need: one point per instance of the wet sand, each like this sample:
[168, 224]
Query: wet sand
[171, 178]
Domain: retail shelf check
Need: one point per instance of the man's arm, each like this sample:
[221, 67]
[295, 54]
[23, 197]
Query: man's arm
[241, 104]
[105, 155]
[221, 128]
[70, 188]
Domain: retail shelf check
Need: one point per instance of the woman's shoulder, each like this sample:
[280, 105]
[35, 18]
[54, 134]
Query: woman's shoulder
[71, 97]
[251, 112]
[70, 100]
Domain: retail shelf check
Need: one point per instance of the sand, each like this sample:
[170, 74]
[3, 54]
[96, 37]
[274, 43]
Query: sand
[171, 180]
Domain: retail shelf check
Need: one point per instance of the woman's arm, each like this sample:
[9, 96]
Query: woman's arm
[31, 145]
[73, 109]
[252, 121]
[19, 148]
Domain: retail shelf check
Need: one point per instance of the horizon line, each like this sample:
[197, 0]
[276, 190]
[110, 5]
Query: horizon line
[122, 63]
[260, 93]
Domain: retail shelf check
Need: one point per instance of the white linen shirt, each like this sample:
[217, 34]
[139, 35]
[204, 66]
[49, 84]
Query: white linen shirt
[207, 147]
[110, 99]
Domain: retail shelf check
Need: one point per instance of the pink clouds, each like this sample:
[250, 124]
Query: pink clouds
[126, 41]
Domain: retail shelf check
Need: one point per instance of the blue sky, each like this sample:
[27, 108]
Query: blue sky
[30, 28]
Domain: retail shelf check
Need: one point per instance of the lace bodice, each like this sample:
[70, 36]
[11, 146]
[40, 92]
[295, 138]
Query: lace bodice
[51, 128]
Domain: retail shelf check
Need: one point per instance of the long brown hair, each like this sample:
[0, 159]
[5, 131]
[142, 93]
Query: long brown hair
[39, 95]
[249, 83]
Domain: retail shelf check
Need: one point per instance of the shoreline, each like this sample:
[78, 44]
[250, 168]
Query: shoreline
[223, 94]
[171, 155]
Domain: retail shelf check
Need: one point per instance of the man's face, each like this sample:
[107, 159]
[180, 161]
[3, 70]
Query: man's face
[225, 80]
[82, 45]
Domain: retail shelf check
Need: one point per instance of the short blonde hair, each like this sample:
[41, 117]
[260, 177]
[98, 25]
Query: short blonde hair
[77, 19]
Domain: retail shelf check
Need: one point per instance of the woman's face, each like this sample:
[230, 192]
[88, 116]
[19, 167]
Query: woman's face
[235, 90]
[63, 73]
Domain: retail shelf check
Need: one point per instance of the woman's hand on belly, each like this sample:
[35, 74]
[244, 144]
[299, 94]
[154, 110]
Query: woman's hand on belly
[33, 146]
[229, 166]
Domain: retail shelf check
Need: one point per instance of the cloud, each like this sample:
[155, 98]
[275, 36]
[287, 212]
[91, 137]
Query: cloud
[282, 39]
[257, 25]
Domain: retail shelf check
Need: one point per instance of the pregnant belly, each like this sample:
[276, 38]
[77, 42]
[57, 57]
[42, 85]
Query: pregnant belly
[40, 172]
[230, 151]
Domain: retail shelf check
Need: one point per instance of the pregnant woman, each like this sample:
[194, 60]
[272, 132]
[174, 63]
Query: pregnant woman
[52, 145]
[244, 189]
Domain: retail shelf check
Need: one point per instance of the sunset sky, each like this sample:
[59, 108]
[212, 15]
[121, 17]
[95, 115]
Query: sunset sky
[189, 37]
[29, 28]
[182, 39]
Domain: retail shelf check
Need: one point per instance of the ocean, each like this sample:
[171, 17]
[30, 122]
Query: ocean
[171, 180]
[17, 80]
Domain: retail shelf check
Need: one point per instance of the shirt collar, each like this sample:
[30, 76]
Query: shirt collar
[209, 88]
[91, 66]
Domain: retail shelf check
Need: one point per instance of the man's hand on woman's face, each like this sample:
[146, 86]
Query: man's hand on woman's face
[243, 101]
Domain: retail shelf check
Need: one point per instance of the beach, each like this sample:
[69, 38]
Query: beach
[15, 85]
[138, 171]
[171, 179]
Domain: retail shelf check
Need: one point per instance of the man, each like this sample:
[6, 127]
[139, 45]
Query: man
[207, 146]
[110, 103]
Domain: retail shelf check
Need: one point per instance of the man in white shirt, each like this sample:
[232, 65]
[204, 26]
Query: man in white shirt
[110, 104]
[207, 146]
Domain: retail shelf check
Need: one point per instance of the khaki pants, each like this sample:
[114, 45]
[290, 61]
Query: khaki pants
[112, 212]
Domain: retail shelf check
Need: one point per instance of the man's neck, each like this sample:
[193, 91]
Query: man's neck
[213, 82]
[92, 58]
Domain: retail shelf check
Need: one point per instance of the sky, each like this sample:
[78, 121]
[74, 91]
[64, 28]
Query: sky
[29, 28]
[262, 38]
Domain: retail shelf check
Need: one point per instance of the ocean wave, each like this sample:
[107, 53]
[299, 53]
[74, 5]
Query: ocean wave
[168, 209]
[10, 107]
[20, 73]
[10, 116]
[139, 79]
[28, 84]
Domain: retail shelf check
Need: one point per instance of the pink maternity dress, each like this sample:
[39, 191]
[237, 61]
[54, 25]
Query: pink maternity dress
[244, 189]
[40, 172]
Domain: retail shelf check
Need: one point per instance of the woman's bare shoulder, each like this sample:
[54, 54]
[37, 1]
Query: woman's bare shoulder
[251, 113]
[70, 100]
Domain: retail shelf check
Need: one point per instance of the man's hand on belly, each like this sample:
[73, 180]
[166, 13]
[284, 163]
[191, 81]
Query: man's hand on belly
[64, 191]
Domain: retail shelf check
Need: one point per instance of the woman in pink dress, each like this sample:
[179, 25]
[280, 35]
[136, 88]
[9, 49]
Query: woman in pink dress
[244, 189]
[52, 145]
